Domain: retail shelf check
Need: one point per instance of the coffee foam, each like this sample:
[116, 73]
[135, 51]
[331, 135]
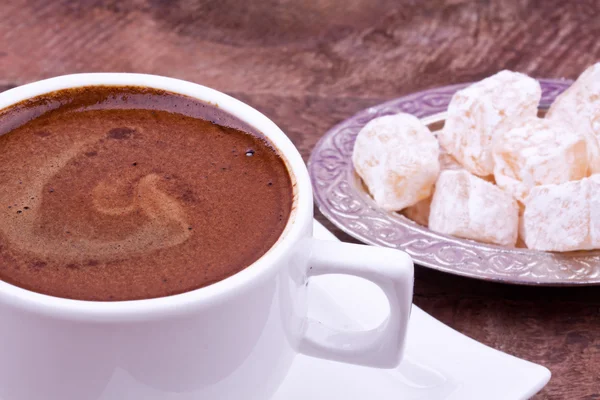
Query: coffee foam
[117, 203]
[167, 224]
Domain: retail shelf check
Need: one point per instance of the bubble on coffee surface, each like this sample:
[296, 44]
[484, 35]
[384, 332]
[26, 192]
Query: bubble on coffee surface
[120, 133]
[165, 226]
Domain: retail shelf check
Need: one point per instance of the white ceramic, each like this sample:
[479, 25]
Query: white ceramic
[235, 339]
[439, 363]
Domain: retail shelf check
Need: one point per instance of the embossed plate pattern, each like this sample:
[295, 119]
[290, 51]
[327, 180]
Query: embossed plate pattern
[342, 199]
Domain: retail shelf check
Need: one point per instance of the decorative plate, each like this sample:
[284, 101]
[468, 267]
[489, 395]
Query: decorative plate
[342, 198]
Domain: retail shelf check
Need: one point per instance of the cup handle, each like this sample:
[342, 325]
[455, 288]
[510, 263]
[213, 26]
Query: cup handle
[392, 271]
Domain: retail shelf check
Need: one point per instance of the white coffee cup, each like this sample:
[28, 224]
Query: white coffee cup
[234, 339]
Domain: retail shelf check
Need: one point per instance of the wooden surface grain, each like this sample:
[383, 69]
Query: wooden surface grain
[310, 64]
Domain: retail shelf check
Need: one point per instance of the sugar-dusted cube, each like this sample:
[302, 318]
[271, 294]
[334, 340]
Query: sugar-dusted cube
[479, 112]
[420, 211]
[579, 106]
[537, 152]
[448, 162]
[467, 206]
[563, 217]
[397, 158]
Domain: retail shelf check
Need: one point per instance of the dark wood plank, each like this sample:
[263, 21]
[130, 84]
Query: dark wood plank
[309, 65]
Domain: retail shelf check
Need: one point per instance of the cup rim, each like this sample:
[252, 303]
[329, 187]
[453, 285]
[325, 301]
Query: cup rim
[179, 304]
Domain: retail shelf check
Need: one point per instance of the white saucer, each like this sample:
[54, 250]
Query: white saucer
[440, 363]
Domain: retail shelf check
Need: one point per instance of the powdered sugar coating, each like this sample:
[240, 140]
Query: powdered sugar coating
[467, 206]
[397, 158]
[420, 211]
[448, 162]
[563, 217]
[579, 106]
[537, 152]
[479, 112]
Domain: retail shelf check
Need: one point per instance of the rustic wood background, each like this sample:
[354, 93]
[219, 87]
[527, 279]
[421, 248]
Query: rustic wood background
[310, 64]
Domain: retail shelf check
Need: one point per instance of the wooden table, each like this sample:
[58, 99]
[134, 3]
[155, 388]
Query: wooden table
[310, 64]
